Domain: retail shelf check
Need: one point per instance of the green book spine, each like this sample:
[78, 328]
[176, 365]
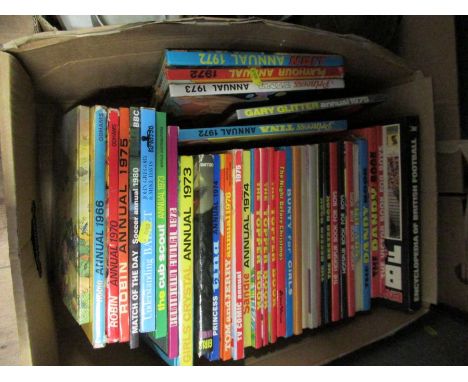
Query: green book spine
[161, 226]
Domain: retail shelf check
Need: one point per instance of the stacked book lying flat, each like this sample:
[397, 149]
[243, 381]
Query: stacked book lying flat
[206, 255]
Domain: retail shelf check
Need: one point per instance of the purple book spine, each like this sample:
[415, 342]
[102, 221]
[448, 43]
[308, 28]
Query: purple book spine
[172, 178]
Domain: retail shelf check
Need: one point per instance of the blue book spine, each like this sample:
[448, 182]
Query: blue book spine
[99, 226]
[364, 226]
[289, 244]
[214, 355]
[223, 133]
[147, 222]
[248, 59]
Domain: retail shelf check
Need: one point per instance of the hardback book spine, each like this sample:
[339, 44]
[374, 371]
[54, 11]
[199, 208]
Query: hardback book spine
[124, 151]
[305, 235]
[73, 209]
[327, 229]
[112, 288]
[214, 354]
[222, 254]
[146, 235]
[238, 258]
[289, 242]
[350, 224]
[342, 231]
[226, 88]
[281, 235]
[247, 247]
[229, 133]
[227, 344]
[253, 297]
[173, 237]
[207, 75]
[265, 191]
[203, 253]
[358, 261]
[334, 233]
[364, 217]
[215, 58]
[322, 237]
[297, 242]
[98, 221]
[134, 226]
[272, 256]
[186, 260]
[161, 228]
[383, 253]
[258, 248]
[314, 269]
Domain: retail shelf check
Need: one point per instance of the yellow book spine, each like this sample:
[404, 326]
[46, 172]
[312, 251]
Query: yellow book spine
[186, 260]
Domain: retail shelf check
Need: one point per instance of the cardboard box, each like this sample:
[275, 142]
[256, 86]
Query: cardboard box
[43, 75]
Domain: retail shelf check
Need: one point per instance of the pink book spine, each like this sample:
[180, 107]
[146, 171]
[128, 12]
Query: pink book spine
[172, 177]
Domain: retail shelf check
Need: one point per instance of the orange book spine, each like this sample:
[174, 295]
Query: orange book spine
[124, 151]
[297, 243]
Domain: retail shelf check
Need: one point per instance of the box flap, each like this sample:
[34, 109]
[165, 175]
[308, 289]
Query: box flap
[26, 246]
[130, 55]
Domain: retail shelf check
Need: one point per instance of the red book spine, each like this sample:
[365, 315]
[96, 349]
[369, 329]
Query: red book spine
[281, 235]
[238, 256]
[206, 75]
[124, 151]
[258, 249]
[265, 240]
[335, 235]
[273, 284]
[112, 285]
[350, 206]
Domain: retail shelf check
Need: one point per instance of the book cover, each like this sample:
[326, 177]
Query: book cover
[73, 211]
[98, 225]
[237, 257]
[173, 237]
[239, 133]
[224, 75]
[124, 152]
[264, 208]
[146, 235]
[258, 248]
[227, 262]
[214, 354]
[134, 226]
[281, 247]
[203, 253]
[112, 286]
[246, 247]
[334, 233]
[272, 255]
[231, 58]
[297, 242]
[289, 242]
[161, 229]
[186, 221]
[350, 198]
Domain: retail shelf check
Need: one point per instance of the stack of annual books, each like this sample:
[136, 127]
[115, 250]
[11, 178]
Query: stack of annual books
[196, 83]
[228, 248]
